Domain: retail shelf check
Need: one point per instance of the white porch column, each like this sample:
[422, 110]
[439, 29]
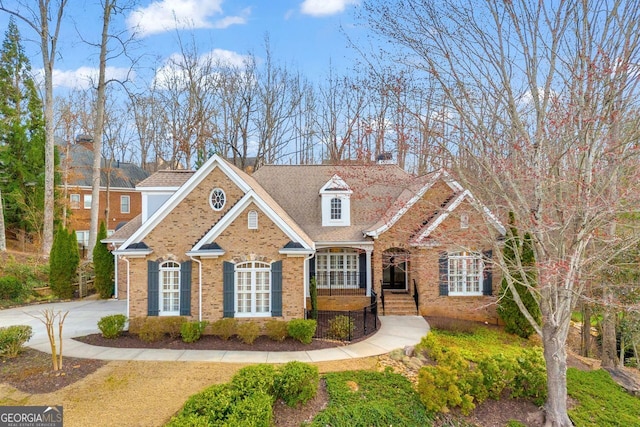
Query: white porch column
[368, 262]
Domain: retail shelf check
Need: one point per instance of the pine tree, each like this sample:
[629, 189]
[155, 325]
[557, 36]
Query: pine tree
[21, 137]
[103, 265]
[516, 250]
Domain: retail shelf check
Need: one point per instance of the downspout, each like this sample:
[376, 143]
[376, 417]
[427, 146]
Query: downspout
[128, 290]
[115, 271]
[199, 288]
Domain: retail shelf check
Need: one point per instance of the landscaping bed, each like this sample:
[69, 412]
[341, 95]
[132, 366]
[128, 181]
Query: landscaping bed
[210, 342]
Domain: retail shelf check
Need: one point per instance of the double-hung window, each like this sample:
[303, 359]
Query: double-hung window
[87, 201]
[125, 204]
[169, 288]
[337, 269]
[74, 201]
[465, 273]
[336, 209]
[253, 289]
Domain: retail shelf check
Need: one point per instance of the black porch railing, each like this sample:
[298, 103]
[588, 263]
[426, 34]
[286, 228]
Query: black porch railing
[341, 283]
[346, 325]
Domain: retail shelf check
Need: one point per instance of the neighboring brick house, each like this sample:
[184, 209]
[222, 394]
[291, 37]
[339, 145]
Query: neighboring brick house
[117, 179]
[221, 243]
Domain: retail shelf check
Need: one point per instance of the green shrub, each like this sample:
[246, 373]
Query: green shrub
[302, 330]
[313, 294]
[103, 263]
[13, 338]
[248, 331]
[154, 328]
[173, 325]
[439, 391]
[192, 331]
[224, 328]
[276, 329]
[530, 378]
[215, 403]
[190, 420]
[297, 383]
[498, 373]
[255, 378]
[11, 288]
[112, 326]
[341, 328]
[255, 410]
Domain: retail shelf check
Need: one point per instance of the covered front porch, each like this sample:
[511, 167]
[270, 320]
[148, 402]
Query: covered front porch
[345, 275]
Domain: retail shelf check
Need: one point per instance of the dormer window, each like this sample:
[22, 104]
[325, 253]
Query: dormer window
[336, 209]
[336, 203]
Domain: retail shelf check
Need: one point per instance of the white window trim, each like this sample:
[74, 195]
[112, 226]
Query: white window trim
[252, 220]
[224, 199]
[344, 253]
[128, 199]
[84, 200]
[71, 203]
[465, 256]
[256, 266]
[464, 221]
[165, 268]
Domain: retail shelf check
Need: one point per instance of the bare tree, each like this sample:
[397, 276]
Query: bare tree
[544, 93]
[45, 21]
[339, 118]
[278, 101]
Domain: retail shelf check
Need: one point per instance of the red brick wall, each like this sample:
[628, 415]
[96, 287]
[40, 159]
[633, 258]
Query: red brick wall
[80, 219]
[423, 261]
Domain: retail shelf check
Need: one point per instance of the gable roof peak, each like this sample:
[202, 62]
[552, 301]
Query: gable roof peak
[335, 184]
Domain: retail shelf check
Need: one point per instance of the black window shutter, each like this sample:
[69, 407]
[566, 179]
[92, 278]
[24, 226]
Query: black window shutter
[185, 288]
[362, 267]
[276, 289]
[153, 291]
[228, 289]
[443, 273]
[487, 273]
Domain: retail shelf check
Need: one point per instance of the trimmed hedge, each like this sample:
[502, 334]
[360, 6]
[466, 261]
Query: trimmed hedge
[112, 326]
[302, 330]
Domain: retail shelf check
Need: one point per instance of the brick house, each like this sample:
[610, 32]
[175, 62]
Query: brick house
[221, 243]
[117, 184]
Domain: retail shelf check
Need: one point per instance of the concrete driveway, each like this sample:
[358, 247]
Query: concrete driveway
[82, 318]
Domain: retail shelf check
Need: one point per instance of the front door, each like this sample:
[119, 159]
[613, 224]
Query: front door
[394, 271]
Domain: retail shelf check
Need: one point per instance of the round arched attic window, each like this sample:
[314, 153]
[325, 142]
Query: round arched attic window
[217, 199]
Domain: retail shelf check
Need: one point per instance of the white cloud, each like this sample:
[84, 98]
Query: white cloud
[165, 15]
[325, 7]
[84, 77]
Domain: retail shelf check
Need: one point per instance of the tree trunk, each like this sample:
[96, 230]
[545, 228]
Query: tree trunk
[3, 238]
[609, 343]
[586, 330]
[555, 356]
[98, 130]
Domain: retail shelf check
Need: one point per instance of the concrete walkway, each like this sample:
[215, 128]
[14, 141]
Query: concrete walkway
[395, 332]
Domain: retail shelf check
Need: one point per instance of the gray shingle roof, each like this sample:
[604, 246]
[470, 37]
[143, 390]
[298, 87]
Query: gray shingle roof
[80, 162]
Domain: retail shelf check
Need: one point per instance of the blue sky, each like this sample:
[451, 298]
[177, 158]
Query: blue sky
[304, 35]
